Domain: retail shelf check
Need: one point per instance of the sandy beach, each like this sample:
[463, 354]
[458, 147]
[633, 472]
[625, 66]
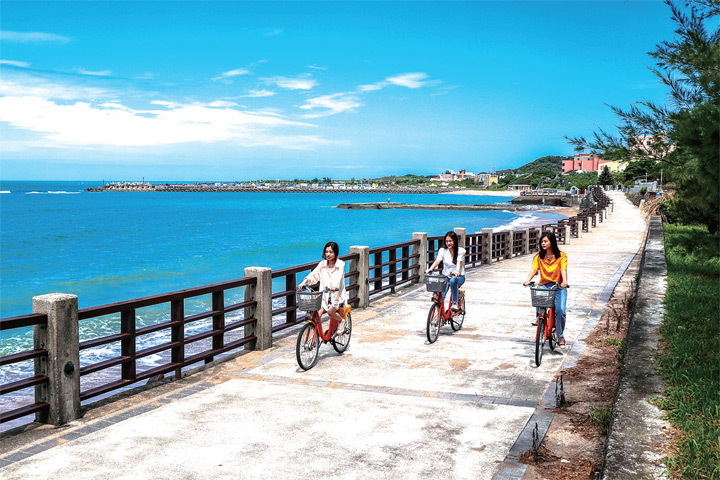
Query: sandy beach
[484, 193]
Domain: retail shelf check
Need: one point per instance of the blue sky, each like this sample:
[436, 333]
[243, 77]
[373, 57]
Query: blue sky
[246, 90]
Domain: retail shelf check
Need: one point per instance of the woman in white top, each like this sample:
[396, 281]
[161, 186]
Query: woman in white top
[453, 258]
[330, 272]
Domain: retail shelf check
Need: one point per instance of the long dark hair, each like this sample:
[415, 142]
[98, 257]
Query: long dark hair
[454, 236]
[553, 244]
[334, 247]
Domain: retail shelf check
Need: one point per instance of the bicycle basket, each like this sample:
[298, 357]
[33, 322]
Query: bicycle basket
[436, 283]
[542, 297]
[309, 301]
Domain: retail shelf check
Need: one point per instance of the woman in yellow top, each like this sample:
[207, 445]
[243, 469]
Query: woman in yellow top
[552, 265]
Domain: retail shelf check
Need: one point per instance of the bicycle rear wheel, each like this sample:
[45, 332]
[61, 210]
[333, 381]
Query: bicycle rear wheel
[433, 323]
[308, 347]
[456, 322]
[552, 339]
[340, 342]
[539, 340]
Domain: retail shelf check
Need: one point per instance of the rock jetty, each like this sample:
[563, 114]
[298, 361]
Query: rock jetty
[253, 187]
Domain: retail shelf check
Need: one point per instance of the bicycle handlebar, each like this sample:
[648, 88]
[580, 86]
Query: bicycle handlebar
[554, 287]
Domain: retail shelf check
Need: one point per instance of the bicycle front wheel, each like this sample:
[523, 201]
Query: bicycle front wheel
[308, 347]
[341, 341]
[456, 322]
[433, 323]
[539, 340]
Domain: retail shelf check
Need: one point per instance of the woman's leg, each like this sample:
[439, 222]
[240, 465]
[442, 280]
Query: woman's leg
[453, 289]
[335, 318]
[560, 306]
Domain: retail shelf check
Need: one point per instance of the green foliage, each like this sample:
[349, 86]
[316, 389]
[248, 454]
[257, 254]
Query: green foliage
[408, 179]
[549, 165]
[601, 417]
[690, 362]
[605, 178]
[468, 182]
[685, 136]
[580, 180]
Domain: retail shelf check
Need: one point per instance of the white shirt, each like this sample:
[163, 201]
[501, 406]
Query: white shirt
[331, 278]
[448, 266]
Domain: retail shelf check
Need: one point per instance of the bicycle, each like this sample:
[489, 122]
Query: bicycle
[544, 300]
[438, 316]
[312, 334]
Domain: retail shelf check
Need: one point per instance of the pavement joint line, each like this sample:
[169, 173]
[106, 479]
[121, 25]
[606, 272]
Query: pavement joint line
[463, 397]
[510, 468]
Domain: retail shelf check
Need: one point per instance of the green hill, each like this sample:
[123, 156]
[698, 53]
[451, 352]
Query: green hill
[549, 165]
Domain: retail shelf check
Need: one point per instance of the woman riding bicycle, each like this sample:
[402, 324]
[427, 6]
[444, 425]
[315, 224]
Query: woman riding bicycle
[330, 272]
[552, 265]
[453, 258]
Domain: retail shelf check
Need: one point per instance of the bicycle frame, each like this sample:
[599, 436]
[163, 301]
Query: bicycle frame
[444, 314]
[548, 315]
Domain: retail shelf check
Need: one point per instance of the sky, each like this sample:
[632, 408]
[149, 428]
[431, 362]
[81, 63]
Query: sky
[233, 91]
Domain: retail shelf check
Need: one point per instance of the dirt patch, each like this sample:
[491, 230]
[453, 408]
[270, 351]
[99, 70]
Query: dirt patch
[504, 366]
[574, 445]
[459, 364]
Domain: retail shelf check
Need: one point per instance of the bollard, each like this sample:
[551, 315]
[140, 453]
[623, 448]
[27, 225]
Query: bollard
[262, 294]
[567, 234]
[363, 269]
[509, 234]
[62, 365]
[421, 251]
[526, 242]
[461, 233]
[487, 246]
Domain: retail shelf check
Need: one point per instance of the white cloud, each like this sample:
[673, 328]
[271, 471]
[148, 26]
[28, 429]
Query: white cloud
[232, 73]
[116, 125]
[317, 67]
[259, 93]
[28, 86]
[32, 37]
[336, 103]
[301, 82]
[98, 73]
[408, 80]
[14, 63]
[272, 32]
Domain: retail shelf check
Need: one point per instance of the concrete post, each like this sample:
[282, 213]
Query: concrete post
[590, 221]
[421, 251]
[526, 242]
[487, 246]
[460, 232]
[567, 234]
[363, 268]
[509, 234]
[62, 365]
[262, 294]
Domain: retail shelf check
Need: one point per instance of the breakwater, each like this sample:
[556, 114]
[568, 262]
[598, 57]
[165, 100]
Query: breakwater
[244, 187]
[411, 206]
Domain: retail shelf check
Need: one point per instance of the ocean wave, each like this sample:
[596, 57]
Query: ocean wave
[522, 221]
[5, 191]
[52, 192]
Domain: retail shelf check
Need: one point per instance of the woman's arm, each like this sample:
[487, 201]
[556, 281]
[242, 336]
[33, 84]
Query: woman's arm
[435, 264]
[563, 274]
[314, 276]
[460, 262]
[532, 273]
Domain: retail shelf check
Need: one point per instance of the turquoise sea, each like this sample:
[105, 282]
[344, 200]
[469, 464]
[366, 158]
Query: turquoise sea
[112, 246]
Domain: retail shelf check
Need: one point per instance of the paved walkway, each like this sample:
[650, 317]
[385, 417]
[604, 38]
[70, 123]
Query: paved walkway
[392, 406]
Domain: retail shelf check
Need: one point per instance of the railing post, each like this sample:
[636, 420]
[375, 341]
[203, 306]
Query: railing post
[363, 269]
[526, 242]
[509, 243]
[421, 251]
[62, 366]
[590, 218]
[261, 292]
[567, 234]
[487, 246]
[460, 232]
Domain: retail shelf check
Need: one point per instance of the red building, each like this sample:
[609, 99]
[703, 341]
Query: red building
[583, 162]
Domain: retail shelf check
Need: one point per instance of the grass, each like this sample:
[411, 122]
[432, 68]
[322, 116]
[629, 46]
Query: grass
[601, 417]
[690, 358]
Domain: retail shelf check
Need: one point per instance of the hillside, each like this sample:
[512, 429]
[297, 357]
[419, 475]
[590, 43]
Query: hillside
[549, 165]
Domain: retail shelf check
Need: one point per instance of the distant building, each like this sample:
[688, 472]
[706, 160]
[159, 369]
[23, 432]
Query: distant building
[583, 162]
[486, 179]
[613, 166]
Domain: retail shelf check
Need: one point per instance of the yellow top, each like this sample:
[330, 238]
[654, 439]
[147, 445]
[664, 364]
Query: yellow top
[550, 271]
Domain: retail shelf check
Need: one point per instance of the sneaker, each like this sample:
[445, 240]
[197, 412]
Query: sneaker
[561, 342]
[534, 323]
[455, 308]
[340, 328]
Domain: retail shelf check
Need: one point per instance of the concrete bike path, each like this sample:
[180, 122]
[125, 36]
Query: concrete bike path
[392, 406]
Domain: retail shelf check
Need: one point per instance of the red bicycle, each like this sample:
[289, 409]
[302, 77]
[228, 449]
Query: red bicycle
[544, 300]
[312, 334]
[438, 316]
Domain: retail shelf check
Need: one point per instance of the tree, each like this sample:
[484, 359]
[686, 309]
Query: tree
[684, 136]
[605, 178]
